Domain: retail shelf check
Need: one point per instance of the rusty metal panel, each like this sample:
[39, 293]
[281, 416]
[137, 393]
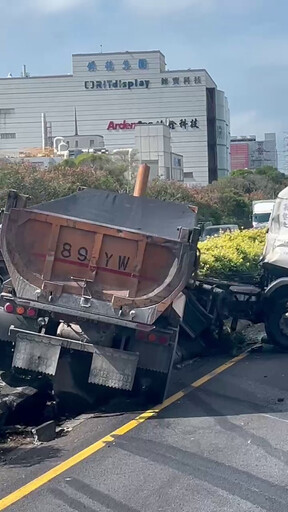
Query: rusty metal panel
[32, 355]
[113, 368]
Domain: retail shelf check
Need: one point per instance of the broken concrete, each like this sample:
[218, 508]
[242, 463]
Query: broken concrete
[45, 432]
[23, 400]
[13, 401]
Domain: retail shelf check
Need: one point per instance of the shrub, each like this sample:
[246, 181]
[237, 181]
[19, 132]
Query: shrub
[198, 196]
[61, 180]
[233, 255]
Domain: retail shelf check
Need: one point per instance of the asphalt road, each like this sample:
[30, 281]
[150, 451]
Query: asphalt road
[222, 447]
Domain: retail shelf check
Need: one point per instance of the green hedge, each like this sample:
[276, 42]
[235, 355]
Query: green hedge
[233, 255]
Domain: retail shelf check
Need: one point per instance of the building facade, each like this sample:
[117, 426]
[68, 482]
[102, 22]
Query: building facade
[239, 155]
[250, 153]
[112, 94]
[153, 146]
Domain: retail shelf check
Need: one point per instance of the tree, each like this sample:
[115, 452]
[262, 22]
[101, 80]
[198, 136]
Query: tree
[44, 185]
[241, 173]
[227, 201]
[277, 177]
[129, 160]
[198, 196]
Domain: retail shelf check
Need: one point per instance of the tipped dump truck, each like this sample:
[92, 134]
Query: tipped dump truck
[108, 269]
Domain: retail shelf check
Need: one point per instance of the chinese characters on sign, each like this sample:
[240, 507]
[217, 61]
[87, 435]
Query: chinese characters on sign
[126, 65]
[285, 215]
[142, 64]
[91, 66]
[192, 124]
[186, 80]
[183, 123]
[109, 65]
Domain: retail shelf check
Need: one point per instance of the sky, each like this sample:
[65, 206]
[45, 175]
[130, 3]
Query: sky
[243, 44]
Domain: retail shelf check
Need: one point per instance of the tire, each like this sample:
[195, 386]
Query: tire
[150, 386]
[74, 395]
[276, 325]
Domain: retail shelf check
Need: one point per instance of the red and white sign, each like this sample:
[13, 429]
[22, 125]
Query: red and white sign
[121, 126]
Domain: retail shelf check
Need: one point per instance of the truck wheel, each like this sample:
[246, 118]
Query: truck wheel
[276, 324]
[150, 385]
[70, 383]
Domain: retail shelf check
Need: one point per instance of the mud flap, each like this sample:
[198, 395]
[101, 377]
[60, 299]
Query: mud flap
[153, 357]
[113, 368]
[32, 355]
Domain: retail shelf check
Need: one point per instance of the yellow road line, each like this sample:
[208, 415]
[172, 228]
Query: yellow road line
[95, 447]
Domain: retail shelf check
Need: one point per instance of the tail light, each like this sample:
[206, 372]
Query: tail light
[160, 338]
[20, 310]
[9, 307]
[31, 312]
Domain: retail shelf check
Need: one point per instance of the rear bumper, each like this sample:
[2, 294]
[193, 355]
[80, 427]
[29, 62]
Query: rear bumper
[77, 314]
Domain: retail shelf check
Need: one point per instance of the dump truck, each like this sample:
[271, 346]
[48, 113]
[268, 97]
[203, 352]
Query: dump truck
[98, 277]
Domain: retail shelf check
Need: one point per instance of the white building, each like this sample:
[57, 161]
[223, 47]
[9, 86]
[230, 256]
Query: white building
[113, 93]
[154, 147]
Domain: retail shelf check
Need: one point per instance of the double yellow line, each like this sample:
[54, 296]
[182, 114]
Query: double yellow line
[95, 447]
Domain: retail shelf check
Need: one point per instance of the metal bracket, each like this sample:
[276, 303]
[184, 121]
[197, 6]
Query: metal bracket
[86, 298]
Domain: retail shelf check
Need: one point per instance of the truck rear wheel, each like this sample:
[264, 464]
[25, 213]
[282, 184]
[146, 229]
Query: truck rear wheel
[276, 323]
[150, 385]
[74, 395]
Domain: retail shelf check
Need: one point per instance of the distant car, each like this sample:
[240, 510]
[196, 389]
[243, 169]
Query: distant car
[218, 230]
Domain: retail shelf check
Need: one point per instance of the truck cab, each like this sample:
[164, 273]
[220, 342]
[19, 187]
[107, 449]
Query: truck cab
[261, 213]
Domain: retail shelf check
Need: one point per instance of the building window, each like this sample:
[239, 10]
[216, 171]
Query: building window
[189, 175]
[7, 135]
[76, 143]
[91, 143]
[68, 144]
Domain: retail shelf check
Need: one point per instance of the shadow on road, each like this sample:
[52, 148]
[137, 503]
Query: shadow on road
[257, 384]
[26, 457]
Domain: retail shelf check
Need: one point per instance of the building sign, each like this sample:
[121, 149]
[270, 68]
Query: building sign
[92, 66]
[116, 84]
[186, 80]
[121, 126]
[183, 123]
[110, 66]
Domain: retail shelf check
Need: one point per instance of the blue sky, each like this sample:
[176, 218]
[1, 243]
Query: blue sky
[242, 43]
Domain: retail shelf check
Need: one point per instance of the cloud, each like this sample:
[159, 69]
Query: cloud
[156, 8]
[251, 122]
[255, 50]
[44, 6]
[164, 7]
[50, 6]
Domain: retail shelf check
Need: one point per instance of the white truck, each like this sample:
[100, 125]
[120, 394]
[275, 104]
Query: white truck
[261, 212]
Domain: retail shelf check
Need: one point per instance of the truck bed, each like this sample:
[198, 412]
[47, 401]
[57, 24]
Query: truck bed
[97, 253]
[140, 214]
